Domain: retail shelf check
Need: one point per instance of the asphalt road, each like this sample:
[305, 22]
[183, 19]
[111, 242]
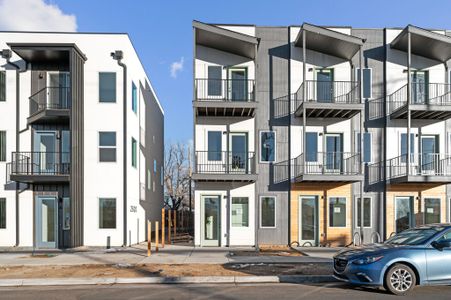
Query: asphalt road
[334, 291]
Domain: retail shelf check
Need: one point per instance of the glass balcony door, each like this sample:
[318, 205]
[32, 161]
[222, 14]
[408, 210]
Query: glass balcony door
[45, 152]
[429, 158]
[420, 85]
[58, 84]
[238, 153]
[325, 85]
[334, 153]
[238, 84]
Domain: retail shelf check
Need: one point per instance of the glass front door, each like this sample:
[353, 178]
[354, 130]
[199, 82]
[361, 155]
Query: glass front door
[333, 154]
[238, 85]
[419, 87]
[46, 222]
[238, 152]
[58, 90]
[324, 85]
[308, 215]
[211, 208]
[44, 155]
[404, 214]
[429, 159]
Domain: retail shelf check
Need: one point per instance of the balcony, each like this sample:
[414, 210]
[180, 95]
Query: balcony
[429, 101]
[39, 167]
[225, 166]
[327, 167]
[225, 97]
[328, 99]
[50, 105]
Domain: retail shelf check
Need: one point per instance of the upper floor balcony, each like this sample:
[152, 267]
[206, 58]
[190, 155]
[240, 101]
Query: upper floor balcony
[50, 105]
[225, 166]
[39, 167]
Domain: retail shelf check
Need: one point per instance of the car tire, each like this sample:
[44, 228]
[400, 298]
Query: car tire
[400, 279]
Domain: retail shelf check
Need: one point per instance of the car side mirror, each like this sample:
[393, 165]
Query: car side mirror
[441, 244]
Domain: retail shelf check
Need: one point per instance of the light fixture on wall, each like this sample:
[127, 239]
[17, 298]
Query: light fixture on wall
[310, 69]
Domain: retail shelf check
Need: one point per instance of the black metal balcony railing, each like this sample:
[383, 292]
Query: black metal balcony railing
[344, 92]
[52, 98]
[325, 163]
[421, 93]
[39, 163]
[225, 162]
[233, 90]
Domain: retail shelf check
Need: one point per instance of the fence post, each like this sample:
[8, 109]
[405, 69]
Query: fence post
[149, 237]
[163, 221]
[175, 223]
[169, 226]
[157, 242]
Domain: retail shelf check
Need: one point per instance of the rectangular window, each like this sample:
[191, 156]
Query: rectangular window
[337, 212]
[311, 146]
[134, 153]
[268, 212]
[366, 212]
[2, 145]
[149, 179]
[367, 144]
[107, 213]
[404, 145]
[107, 146]
[367, 82]
[107, 87]
[240, 212]
[2, 213]
[134, 98]
[66, 213]
[432, 210]
[214, 145]
[214, 81]
[267, 146]
[155, 166]
[161, 175]
[2, 86]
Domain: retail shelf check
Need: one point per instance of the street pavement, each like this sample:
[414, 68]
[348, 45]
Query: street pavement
[336, 291]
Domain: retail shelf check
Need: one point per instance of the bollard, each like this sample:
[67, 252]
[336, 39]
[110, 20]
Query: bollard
[108, 242]
[163, 237]
[149, 236]
[169, 226]
[156, 236]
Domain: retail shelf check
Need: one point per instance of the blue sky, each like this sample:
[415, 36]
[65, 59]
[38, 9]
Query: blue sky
[162, 33]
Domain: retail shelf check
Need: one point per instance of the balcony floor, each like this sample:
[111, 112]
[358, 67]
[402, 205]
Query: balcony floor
[338, 178]
[423, 111]
[50, 116]
[421, 179]
[225, 177]
[26, 178]
[224, 108]
[316, 109]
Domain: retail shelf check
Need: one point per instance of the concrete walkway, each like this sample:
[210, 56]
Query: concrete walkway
[319, 252]
[171, 254]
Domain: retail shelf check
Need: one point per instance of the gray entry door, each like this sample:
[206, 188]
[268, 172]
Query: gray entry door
[211, 224]
[404, 214]
[46, 222]
[308, 221]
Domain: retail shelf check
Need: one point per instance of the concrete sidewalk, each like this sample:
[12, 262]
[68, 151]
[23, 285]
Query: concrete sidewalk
[171, 254]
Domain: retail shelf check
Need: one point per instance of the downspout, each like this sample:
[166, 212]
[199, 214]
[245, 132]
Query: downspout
[119, 55]
[7, 54]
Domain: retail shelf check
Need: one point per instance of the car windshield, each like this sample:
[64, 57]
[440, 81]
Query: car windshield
[415, 236]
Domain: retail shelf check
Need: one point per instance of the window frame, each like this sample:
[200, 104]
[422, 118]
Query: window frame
[317, 146]
[346, 212]
[424, 198]
[106, 147]
[115, 213]
[275, 147]
[3, 153]
[357, 198]
[66, 200]
[4, 90]
[220, 146]
[4, 199]
[261, 210]
[248, 211]
[371, 84]
[115, 87]
[214, 79]
[357, 145]
[134, 152]
[412, 144]
[134, 98]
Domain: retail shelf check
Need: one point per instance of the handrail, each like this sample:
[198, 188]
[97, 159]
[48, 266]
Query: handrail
[359, 236]
[51, 98]
[224, 162]
[39, 163]
[227, 90]
[339, 163]
[375, 233]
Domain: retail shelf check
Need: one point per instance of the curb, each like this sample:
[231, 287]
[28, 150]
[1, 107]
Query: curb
[167, 280]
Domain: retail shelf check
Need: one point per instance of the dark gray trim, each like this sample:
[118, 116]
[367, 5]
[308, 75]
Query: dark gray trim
[25, 50]
[49, 115]
[40, 178]
[329, 178]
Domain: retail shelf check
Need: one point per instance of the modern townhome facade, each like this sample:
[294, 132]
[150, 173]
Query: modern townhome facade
[81, 141]
[281, 115]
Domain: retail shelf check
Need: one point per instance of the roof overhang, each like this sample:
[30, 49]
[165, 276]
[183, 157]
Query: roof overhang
[44, 52]
[328, 41]
[424, 43]
[225, 40]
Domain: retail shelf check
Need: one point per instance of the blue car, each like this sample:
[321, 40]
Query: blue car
[418, 256]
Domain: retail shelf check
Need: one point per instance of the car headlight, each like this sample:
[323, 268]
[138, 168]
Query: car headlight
[367, 260]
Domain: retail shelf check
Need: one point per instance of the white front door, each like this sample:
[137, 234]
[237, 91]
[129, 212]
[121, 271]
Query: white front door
[211, 220]
[46, 222]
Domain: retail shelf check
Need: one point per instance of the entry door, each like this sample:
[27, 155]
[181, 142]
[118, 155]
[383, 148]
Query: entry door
[238, 153]
[45, 152]
[404, 214]
[238, 84]
[211, 220]
[429, 159]
[58, 90]
[419, 87]
[46, 222]
[325, 85]
[308, 220]
[333, 153]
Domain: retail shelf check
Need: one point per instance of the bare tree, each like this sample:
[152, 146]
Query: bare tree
[176, 175]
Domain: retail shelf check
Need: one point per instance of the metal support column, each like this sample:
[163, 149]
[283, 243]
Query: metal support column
[409, 92]
[304, 117]
[361, 142]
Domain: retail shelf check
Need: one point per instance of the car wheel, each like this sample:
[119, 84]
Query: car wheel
[400, 279]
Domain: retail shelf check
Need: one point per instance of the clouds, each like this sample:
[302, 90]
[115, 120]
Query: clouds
[177, 67]
[34, 15]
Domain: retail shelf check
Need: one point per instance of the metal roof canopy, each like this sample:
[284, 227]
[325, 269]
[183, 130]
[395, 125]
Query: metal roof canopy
[327, 41]
[38, 53]
[225, 40]
[424, 43]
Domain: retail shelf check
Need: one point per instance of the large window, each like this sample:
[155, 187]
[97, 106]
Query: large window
[66, 213]
[240, 212]
[337, 212]
[432, 210]
[2, 213]
[367, 82]
[214, 81]
[404, 145]
[2, 86]
[107, 146]
[107, 213]
[2, 145]
[366, 212]
[267, 146]
[267, 212]
[134, 153]
[214, 145]
[311, 145]
[107, 87]
[367, 143]
[134, 98]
